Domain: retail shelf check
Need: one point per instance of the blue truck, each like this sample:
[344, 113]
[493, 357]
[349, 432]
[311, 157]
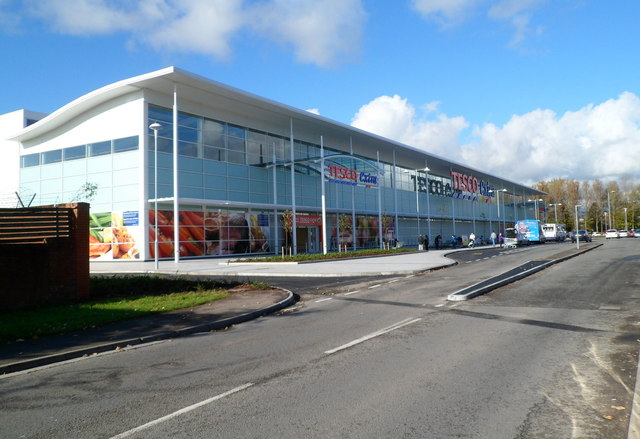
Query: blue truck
[531, 230]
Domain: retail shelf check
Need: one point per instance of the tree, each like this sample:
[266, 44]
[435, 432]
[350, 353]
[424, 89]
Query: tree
[87, 192]
[287, 226]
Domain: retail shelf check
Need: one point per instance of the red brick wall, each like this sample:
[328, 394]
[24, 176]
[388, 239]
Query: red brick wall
[40, 265]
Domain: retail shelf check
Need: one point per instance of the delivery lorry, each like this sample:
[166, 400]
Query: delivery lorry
[554, 232]
[531, 229]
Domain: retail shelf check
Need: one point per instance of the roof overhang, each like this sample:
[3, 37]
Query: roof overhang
[197, 89]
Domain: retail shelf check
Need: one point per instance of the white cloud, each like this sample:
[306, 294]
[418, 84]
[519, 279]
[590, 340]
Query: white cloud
[597, 141]
[314, 111]
[395, 118]
[83, 17]
[320, 32]
[445, 12]
[195, 26]
[516, 13]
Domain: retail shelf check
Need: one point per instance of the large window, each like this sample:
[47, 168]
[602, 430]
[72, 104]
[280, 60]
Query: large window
[80, 152]
[52, 157]
[30, 160]
[125, 144]
[75, 152]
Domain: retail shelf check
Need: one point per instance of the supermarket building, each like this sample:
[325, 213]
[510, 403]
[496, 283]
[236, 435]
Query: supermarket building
[240, 174]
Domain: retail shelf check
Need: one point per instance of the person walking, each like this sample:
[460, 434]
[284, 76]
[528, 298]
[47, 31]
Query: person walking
[420, 242]
[426, 243]
[500, 239]
[493, 238]
[454, 241]
[438, 240]
[472, 239]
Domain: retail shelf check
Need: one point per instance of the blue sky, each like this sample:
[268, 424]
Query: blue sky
[553, 83]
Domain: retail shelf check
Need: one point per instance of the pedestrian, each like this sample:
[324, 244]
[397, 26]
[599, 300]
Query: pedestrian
[500, 239]
[438, 240]
[426, 242]
[421, 242]
[493, 239]
[454, 241]
[472, 239]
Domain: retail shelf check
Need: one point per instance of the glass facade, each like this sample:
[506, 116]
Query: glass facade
[222, 163]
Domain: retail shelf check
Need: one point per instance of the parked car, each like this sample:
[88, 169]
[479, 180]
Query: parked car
[583, 234]
[632, 233]
[623, 233]
[612, 233]
[636, 233]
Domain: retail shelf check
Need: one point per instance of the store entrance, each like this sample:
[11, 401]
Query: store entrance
[307, 239]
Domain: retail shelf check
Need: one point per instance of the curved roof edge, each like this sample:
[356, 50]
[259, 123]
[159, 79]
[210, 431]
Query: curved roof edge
[162, 79]
[81, 104]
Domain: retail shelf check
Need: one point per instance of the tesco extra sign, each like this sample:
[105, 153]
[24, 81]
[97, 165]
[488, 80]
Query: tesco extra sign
[467, 183]
[351, 176]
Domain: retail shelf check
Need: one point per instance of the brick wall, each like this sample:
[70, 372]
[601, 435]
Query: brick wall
[44, 255]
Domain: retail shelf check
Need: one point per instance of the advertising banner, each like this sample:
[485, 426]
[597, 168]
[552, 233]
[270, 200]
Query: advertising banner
[114, 235]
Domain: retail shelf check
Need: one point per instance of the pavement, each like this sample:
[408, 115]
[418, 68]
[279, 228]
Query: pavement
[241, 306]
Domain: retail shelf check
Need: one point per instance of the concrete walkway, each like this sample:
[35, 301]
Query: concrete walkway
[406, 263]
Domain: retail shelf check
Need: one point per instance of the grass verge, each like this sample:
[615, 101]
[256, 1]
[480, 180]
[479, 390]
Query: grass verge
[57, 319]
[328, 256]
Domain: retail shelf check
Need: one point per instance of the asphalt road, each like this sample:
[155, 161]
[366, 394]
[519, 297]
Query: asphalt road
[551, 356]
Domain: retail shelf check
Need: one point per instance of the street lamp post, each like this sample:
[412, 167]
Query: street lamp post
[577, 228]
[625, 219]
[555, 211]
[609, 205]
[155, 127]
[417, 188]
[498, 204]
[426, 176]
[535, 207]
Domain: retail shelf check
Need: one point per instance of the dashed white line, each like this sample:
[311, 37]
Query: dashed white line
[351, 292]
[408, 276]
[393, 327]
[180, 412]
[392, 281]
[375, 286]
[323, 300]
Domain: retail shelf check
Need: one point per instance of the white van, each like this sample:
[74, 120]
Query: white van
[554, 232]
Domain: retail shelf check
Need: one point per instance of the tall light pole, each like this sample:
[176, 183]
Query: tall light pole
[155, 127]
[498, 203]
[577, 228]
[625, 219]
[535, 207]
[417, 187]
[609, 205]
[426, 176]
[555, 211]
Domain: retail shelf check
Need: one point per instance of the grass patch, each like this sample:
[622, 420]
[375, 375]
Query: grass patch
[121, 298]
[328, 256]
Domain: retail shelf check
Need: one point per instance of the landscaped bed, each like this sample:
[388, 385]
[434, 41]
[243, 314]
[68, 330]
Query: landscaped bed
[114, 299]
[329, 256]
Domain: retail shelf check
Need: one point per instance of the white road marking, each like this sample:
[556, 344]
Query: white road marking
[181, 412]
[375, 286]
[393, 327]
[323, 300]
[393, 280]
[351, 292]
[407, 277]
